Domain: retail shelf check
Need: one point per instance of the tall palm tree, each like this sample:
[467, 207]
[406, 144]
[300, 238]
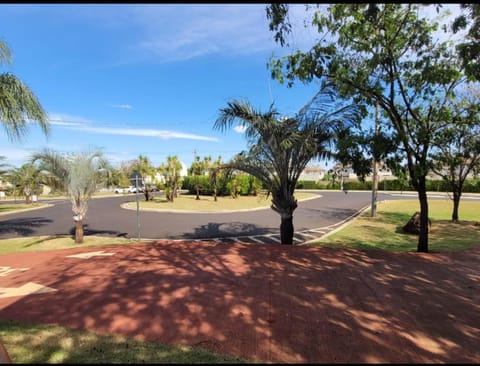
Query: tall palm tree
[77, 175]
[280, 148]
[18, 104]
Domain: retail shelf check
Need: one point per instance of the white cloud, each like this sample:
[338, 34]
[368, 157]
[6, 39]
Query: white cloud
[240, 129]
[60, 119]
[183, 32]
[163, 134]
[82, 124]
[122, 106]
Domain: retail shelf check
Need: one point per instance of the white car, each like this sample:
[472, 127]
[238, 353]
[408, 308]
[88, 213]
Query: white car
[120, 190]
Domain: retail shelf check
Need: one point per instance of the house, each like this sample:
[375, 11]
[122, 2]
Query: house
[312, 173]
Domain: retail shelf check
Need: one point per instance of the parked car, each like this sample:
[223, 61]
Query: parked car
[119, 190]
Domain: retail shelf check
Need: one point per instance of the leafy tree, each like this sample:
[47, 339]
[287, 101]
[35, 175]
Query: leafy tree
[27, 179]
[77, 175]
[457, 146]
[280, 148]
[171, 172]
[469, 49]
[380, 53]
[18, 104]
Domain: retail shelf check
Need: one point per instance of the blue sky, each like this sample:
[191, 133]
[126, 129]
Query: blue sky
[144, 79]
[141, 79]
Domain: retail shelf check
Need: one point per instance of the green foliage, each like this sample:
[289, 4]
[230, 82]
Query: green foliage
[78, 175]
[381, 53]
[192, 183]
[18, 104]
[469, 48]
[245, 185]
[171, 173]
[27, 181]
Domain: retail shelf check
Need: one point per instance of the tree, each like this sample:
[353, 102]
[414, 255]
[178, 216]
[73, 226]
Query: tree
[380, 53]
[117, 178]
[77, 175]
[469, 49]
[280, 148]
[18, 104]
[27, 179]
[198, 168]
[143, 166]
[215, 173]
[457, 146]
[171, 172]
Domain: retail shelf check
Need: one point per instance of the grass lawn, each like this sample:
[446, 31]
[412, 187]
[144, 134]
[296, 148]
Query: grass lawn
[30, 343]
[188, 202]
[40, 243]
[385, 231]
[10, 207]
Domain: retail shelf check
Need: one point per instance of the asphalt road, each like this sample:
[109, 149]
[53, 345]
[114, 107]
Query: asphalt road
[105, 217]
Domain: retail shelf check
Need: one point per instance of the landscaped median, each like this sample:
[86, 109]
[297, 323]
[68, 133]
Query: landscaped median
[189, 203]
[385, 230]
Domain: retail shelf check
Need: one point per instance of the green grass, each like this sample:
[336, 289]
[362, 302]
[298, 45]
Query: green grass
[30, 343]
[11, 207]
[189, 202]
[385, 230]
[41, 243]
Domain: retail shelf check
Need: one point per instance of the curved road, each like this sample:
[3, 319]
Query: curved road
[313, 218]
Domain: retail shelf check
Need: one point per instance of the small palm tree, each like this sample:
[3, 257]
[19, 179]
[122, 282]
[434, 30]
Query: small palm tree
[280, 148]
[171, 172]
[27, 179]
[77, 175]
[18, 104]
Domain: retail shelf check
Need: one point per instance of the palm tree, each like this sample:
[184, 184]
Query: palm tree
[143, 166]
[18, 104]
[197, 169]
[280, 148]
[171, 172]
[77, 175]
[28, 179]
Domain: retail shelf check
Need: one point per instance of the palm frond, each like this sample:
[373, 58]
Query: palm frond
[18, 106]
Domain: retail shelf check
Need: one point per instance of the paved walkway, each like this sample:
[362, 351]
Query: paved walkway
[271, 303]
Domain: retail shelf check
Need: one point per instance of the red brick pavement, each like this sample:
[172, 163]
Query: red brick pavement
[271, 303]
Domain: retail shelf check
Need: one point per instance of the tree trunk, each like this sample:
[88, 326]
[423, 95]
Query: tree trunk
[423, 237]
[456, 203]
[286, 230]
[79, 231]
[147, 194]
